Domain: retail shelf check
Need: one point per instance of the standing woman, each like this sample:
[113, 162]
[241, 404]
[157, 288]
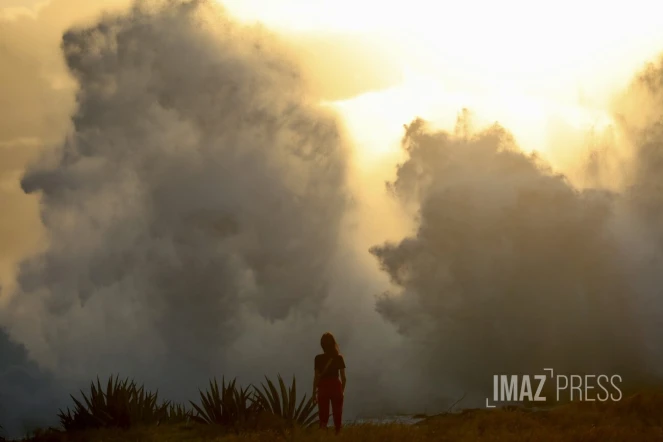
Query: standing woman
[329, 381]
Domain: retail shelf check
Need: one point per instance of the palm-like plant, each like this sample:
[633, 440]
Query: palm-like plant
[284, 405]
[230, 405]
[122, 404]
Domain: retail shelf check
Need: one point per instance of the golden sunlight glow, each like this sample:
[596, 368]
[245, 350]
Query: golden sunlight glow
[518, 62]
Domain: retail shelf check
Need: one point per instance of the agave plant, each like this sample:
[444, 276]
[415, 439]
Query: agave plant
[285, 405]
[230, 406]
[178, 413]
[122, 404]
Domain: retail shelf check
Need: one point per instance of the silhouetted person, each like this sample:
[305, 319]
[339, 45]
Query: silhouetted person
[329, 381]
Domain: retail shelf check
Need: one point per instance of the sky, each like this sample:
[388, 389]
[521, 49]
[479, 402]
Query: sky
[19, 3]
[525, 64]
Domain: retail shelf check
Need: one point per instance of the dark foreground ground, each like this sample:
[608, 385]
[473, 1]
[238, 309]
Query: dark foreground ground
[638, 418]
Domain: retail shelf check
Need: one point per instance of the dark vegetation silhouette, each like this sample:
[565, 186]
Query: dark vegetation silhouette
[121, 405]
[219, 417]
[124, 404]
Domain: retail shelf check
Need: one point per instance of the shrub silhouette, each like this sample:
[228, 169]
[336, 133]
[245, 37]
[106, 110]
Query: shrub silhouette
[285, 406]
[178, 413]
[122, 405]
[230, 405]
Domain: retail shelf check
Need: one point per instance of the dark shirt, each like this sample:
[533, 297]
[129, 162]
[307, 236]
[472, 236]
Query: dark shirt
[332, 371]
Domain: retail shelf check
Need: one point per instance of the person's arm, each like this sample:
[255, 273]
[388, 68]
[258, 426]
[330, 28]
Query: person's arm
[342, 370]
[316, 378]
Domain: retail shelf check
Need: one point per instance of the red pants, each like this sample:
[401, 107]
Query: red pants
[330, 390]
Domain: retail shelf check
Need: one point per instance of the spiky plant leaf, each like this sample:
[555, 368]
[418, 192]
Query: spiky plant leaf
[284, 406]
[211, 409]
[292, 398]
[285, 398]
[270, 398]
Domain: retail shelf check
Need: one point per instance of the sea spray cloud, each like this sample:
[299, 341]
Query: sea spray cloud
[198, 179]
[640, 112]
[511, 269]
[23, 386]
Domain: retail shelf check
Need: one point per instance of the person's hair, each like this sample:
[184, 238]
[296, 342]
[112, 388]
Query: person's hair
[329, 345]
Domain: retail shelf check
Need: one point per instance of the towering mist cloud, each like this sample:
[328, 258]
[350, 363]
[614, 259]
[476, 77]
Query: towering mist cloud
[199, 223]
[198, 179]
[511, 269]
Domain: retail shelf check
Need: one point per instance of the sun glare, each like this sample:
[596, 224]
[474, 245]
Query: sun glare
[519, 63]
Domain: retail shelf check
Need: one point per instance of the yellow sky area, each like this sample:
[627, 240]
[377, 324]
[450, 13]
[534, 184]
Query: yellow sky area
[519, 62]
[523, 63]
[376, 118]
